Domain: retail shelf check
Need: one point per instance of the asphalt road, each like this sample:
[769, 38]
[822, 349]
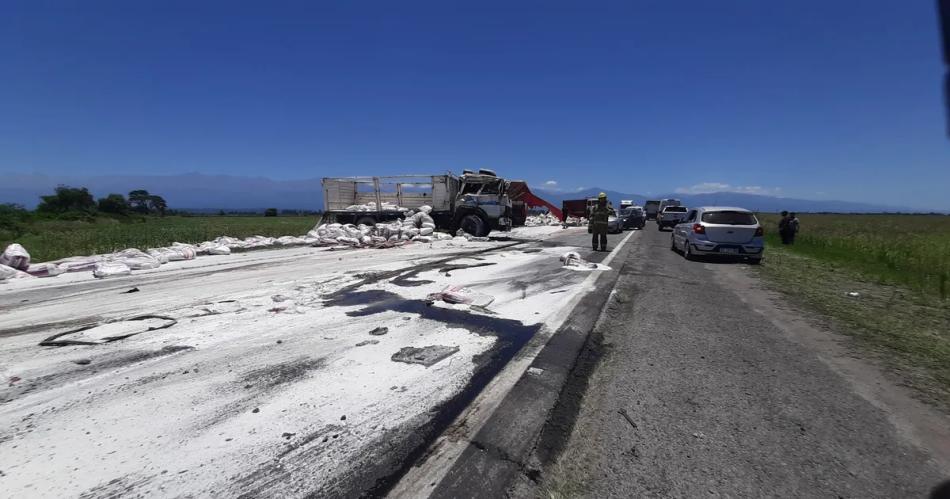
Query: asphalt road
[278, 373]
[721, 401]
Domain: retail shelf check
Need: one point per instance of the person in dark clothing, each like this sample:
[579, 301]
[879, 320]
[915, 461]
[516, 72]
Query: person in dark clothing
[598, 223]
[793, 224]
[784, 227]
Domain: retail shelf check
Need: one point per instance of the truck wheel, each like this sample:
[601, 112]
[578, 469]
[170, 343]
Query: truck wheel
[474, 225]
[365, 220]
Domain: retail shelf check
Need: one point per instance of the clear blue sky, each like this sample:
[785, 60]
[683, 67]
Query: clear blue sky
[809, 98]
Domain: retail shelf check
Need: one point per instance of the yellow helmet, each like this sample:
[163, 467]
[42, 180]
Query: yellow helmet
[602, 195]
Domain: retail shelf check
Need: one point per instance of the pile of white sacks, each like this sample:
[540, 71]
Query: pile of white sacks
[575, 221]
[415, 227]
[541, 220]
[371, 206]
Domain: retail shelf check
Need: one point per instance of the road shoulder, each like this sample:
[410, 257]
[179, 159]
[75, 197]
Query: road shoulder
[922, 425]
[500, 453]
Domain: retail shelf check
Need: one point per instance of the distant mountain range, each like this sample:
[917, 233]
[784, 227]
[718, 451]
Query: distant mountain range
[199, 192]
[753, 202]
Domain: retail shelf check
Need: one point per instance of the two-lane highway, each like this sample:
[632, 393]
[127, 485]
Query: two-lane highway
[727, 397]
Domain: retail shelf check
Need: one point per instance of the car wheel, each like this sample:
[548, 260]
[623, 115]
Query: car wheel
[474, 225]
[672, 242]
[365, 220]
[687, 252]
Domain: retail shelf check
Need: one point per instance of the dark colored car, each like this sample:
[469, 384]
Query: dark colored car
[633, 217]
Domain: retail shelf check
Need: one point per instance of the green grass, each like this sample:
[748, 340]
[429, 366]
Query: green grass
[54, 239]
[898, 265]
[909, 250]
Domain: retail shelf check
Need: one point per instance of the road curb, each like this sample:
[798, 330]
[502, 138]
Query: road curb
[502, 451]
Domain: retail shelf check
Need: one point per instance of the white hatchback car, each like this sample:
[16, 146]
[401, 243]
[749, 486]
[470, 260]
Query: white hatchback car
[719, 230]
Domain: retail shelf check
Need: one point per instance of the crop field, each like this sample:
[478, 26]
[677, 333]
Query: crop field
[53, 239]
[908, 250]
[883, 280]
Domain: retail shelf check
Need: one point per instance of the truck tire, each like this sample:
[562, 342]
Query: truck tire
[474, 225]
[366, 220]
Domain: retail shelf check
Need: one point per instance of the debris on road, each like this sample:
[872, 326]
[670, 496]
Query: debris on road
[45, 270]
[854, 294]
[111, 269]
[367, 342]
[575, 221]
[427, 356]
[573, 260]
[542, 219]
[221, 307]
[623, 412]
[379, 331]
[461, 295]
[96, 334]
[11, 273]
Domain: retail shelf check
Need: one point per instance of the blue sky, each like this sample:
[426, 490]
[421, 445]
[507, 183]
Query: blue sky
[814, 99]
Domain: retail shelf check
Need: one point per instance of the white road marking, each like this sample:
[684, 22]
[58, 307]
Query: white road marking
[446, 450]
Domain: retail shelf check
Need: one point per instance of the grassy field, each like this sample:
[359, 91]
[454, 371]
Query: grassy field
[53, 239]
[909, 250]
[898, 265]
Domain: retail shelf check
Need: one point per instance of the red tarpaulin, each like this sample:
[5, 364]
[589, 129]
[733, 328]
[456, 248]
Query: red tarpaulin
[519, 191]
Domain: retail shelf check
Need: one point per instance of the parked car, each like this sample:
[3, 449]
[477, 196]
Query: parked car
[670, 216]
[614, 223]
[668, 202]
[719, 230]
[633, 217]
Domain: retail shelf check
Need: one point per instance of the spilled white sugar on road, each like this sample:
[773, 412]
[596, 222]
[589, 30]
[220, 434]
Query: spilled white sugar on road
[260, 385]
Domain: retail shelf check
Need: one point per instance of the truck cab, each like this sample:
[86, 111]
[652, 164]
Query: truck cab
[482, 203]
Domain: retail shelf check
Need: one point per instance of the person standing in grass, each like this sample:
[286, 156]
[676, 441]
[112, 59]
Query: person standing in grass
[783, 227]
[793, 224]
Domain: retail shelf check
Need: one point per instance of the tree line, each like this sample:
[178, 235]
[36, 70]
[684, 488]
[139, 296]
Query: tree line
[77, 203]
[79, 200]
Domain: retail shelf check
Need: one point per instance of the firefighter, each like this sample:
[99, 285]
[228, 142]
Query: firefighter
[598, 223]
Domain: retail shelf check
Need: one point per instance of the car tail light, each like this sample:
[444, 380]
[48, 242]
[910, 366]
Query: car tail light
[699, 229]
[759, 232]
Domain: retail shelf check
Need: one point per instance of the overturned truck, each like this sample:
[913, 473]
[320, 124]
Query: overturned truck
[477, 203]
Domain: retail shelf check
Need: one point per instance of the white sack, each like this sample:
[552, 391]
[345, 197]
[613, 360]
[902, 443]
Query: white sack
[44, 270]
[111, 269]
[219, 250]
[16, 257]
[7, 272]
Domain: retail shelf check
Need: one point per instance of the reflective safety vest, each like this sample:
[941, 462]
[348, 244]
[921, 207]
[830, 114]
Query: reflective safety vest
[599, 216]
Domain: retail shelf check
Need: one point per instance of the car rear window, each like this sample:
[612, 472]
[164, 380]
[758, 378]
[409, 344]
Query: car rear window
[677, 209]
[729, 218]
